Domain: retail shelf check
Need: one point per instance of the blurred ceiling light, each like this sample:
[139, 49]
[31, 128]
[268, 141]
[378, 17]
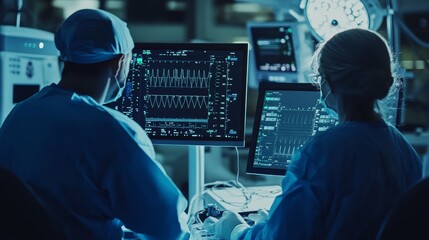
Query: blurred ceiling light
[69, 7]
[327, 17]
[247, 7]
[176, 5]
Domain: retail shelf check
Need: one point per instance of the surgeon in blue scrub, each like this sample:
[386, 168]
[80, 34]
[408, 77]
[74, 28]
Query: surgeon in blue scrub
[343, 182]
[92, 167]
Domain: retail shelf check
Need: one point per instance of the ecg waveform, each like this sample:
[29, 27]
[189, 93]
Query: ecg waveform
[177, 101]
[176, 78]
[286, 146]
[295, 128]
[300, 117]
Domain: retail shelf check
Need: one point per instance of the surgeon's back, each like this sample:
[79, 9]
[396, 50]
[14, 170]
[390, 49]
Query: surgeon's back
[93, 171]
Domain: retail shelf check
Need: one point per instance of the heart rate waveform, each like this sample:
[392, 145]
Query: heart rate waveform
[175, 78]
[177, 101]
[286, 146]
[283, 131]
[294, 129]
[297, 117]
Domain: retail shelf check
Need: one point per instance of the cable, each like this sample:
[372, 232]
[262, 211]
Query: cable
[211, 187]
[191, 213]
[238, 165]
[246, 194]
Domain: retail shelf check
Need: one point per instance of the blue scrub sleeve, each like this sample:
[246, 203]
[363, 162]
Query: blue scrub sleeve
[146, 200]
[298, 212]
[142, 195]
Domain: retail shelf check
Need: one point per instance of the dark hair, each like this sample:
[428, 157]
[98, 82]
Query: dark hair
[357, 63]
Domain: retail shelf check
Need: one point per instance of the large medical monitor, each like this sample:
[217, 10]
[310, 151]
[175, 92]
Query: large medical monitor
[188, 94]
[279, 50]
[287, 115]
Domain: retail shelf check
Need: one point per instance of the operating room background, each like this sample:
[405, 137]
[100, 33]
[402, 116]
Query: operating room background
[225, 21]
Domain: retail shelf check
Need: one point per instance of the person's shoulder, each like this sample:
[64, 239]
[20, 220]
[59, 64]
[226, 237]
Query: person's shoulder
[113, 126]
[111, 123]
[132, 129]
[351, 131]
[317, 156]
[58, 105]
[122, 119]
[131, 126]
[324, 138]
[394, 130]
[315, 146]
[330, 141]
[95, 113]
[83, 111]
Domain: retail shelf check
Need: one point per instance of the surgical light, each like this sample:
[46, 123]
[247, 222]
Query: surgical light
[328, 17]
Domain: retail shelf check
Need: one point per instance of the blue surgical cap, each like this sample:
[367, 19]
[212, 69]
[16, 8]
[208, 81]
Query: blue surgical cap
[92, 36]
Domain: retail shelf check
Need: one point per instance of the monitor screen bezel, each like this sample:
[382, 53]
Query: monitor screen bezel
[263, 88]
[239, 47]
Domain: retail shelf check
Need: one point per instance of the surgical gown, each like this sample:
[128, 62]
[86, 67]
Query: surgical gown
[92, 167]
[341, 184]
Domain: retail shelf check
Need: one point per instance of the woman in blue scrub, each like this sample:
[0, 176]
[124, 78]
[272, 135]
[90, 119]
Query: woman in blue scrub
[343, 182]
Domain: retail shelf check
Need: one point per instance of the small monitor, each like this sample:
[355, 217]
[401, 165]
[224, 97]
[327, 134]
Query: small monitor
[278, 50]
[189, 93]
[287, 115]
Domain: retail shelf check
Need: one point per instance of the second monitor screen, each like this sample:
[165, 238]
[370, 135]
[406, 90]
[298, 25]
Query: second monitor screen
[287, 115]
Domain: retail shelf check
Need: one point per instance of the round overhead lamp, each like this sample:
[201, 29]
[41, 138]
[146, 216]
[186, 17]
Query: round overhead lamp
[328, 17]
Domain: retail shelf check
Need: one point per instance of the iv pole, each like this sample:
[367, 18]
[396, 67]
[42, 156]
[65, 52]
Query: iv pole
[392, 28]
[18, 14]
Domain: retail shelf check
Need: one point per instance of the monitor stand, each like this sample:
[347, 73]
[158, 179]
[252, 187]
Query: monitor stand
[196, 173]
